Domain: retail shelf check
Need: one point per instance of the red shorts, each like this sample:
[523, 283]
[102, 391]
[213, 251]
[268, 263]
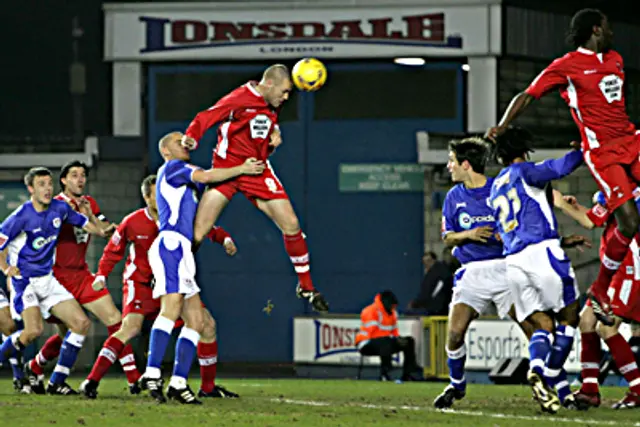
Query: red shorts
[79, 284]
[624, 292]
[266, 186]
[616, 168]
[137, 298]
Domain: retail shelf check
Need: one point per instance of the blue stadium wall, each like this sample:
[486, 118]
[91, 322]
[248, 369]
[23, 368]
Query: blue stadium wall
[360, 243]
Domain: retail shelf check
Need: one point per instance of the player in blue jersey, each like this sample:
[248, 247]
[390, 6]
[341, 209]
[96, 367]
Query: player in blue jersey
[539, 273]
[469, 227]
[30, 234]
[7, 327]
[179, 186]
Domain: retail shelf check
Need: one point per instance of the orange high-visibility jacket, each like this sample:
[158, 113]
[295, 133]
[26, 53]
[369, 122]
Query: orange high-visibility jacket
[376, 323]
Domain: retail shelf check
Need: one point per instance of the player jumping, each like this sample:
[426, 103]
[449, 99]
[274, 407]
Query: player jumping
[71, 270]
[31, 232]
[590, 80]
[173, 264]
[138, 231]
[248, 118]
[539, 273]
[625, 295]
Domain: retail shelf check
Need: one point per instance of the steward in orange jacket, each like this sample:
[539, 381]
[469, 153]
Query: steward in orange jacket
[379, 336]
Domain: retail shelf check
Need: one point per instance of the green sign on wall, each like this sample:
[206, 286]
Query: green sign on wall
[381, 177]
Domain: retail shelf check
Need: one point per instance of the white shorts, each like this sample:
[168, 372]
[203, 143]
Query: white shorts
[44, 292]
[479, 283]
[4, 301]
[541, 278]
[173, 265]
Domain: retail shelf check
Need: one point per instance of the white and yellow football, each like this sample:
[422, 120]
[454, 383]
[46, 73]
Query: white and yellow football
[309, 74]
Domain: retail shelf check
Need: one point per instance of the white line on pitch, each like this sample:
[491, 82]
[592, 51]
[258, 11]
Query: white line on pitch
[458, 412]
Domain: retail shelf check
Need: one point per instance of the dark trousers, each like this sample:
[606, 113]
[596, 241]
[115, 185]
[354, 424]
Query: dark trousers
[386, 347]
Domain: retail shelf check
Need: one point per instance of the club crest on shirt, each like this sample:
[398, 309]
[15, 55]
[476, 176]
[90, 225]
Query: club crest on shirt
[57, 222]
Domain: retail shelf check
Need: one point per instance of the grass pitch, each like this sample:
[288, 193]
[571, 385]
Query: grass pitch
[304, 403]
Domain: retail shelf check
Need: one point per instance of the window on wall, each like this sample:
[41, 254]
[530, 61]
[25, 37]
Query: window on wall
[402, 93]
[181, 95]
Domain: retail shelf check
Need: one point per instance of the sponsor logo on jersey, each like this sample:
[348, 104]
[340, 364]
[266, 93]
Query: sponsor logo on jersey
[260, 126]
[466, 221]
[40, 242]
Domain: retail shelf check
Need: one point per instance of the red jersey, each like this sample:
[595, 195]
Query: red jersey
[139, 229]
[71, 249]
[246, 122]
[591, 84]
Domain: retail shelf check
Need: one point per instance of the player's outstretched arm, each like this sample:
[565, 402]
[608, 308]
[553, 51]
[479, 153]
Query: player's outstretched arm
[517, 105]
[7, 270]
[249, 167]
[574, 210]
[542, 173]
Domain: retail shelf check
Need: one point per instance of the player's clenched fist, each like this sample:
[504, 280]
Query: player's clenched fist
[98, 284]
[188, 142]
[230, 246]
[276, 139]
[494, 132]
[253, 166]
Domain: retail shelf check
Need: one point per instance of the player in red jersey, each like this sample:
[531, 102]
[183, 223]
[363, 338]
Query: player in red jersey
[248, 118]
[624, 292]
[590, 80]
[138, 230]
[72, 271]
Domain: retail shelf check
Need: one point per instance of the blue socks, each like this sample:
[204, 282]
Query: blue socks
[160, 335]
[71, 346]
[456, 360]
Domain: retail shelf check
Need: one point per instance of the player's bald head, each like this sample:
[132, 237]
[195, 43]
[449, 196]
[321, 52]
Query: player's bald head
[164, 142]
[170, 147]
[276, 73]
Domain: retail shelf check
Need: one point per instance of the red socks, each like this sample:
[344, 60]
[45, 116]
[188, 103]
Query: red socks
[107, 357]
[625, 360]
[296, 247]
[49, 351]
[208, 359]
[590, 357]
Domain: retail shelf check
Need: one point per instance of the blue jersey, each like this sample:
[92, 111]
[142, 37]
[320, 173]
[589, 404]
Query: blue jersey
[177, 196]
[31, 236]
[465, 209]
[523, 203]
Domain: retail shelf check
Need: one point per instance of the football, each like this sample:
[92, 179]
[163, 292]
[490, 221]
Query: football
[309, 74]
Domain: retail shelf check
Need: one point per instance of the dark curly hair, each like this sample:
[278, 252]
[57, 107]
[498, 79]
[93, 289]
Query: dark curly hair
[513, 143]
[582, 24]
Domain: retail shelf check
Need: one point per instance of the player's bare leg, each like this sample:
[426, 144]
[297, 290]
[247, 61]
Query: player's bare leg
[105, 310]
[460, 316]
[628, 221]
[8, 327]
[72, 315]
[282, 214]
[208, 358]
[129, 329]
[590, 356]
[193, 316]
[210, 207]
[625, 360]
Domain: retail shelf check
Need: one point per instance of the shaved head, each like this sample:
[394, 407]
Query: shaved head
[276, 73]
[170, 147]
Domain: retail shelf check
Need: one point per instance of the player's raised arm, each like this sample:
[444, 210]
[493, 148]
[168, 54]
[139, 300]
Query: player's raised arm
[81, 221]
[550, 78]
[544, 172]
[249, 167]
[206, 119]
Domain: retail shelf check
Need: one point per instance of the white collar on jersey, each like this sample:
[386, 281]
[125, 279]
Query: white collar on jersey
[589, 52]
[253, 90]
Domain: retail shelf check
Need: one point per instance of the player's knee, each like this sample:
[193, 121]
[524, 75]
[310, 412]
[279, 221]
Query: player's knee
[290, 224]
[130, 328]
[7, 326]
[32, 332]
[208, 328]
[80, 324]
[629, 221]
[113, 318]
